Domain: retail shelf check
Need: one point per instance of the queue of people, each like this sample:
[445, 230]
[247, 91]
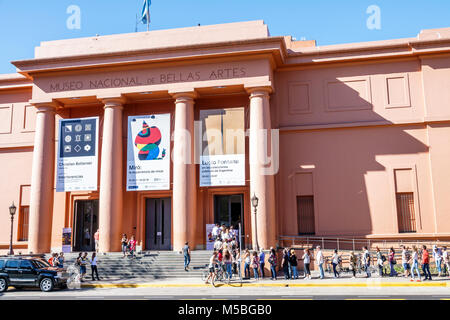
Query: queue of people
[413, 261]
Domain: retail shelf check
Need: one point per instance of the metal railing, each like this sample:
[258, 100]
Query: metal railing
[346, 243]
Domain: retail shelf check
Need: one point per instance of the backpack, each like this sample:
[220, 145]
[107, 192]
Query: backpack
[383, 258]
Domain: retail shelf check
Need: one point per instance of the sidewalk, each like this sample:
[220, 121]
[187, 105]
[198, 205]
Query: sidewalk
[315, 282]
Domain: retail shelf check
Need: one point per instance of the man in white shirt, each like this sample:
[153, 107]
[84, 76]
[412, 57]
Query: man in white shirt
[366, 261]
[215, 231]
[320, 261]
[405, 260]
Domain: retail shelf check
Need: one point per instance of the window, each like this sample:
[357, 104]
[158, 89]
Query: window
[12, 264]
[305, 215]
[2, 263]
[25, 264]
[405, 212]
[23, 223]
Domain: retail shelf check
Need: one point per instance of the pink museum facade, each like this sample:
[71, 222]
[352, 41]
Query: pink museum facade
[358, 137]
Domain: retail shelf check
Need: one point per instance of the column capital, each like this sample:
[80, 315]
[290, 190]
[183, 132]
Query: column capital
[259, 91]
[183, 96]
[45, 106]
[113, 102]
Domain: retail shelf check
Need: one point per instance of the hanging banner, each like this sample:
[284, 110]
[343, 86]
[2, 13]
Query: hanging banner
[222, 170]
[67, 240]
[222, 158]
[77, 155]
[209, 237]
[148, 155]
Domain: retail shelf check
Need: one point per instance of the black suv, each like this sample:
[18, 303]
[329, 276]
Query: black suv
[21, 272]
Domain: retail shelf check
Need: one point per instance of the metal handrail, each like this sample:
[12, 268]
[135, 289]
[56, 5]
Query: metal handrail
[353, 241]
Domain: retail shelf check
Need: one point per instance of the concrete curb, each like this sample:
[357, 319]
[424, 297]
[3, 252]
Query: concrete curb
[294, 285]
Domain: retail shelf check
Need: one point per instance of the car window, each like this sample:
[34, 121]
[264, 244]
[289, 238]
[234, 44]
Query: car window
[2, 263]
[12, 263]
[39, 264]
[25, 264]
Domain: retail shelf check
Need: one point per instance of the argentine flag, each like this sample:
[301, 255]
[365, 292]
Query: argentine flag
[145, 17]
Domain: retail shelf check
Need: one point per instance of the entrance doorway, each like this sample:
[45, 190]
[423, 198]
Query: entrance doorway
[86, 224]
[158, 224]
[229, 210]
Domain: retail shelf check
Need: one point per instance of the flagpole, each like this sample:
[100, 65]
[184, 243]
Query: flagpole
[148, 17]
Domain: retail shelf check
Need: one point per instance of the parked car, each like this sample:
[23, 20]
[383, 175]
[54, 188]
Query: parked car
[21, 272]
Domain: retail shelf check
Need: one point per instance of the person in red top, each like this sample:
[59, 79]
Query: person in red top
[426, 263]
[132, 246]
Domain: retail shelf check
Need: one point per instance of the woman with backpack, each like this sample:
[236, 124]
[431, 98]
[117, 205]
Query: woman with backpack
[255, 264]
[273, 263]
[392, 262]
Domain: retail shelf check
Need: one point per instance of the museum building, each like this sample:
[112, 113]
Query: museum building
[161, 134]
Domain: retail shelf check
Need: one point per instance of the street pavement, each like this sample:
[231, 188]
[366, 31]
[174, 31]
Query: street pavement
[374, 288]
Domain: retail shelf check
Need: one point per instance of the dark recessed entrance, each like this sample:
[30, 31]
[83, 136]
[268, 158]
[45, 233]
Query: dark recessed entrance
[85, 225]
[158, 224]
[229, 210]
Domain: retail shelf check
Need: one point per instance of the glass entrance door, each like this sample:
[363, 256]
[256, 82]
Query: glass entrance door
[158, 224]
[85, 225]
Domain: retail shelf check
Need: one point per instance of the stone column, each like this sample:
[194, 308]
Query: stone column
[262, 181]
[111, 185]
[184, 186]
[42, 181]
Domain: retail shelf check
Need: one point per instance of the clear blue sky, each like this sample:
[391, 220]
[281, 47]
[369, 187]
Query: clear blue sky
[24, 24]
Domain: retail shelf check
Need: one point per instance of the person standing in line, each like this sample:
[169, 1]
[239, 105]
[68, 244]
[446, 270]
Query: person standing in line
[83, 263]
[187, 256]
[426, 263]
[262, 261]
[415, 264]
[273, 263]
[61, 260]
[320, 261]
[228, 261]
[446, 260]
[132, 246]
[215, 231]
[96, 239]
[293, 261]
[255, 264]
[94, 266]
[353, 261]
[285, 264]
[237, 261]
[212, 267]
[380, 262]
[392, 262]
[124, 242]
[247, 264]
[405, 259]
[306, 263]
[335, 262]
[366, 261]
[437, 256]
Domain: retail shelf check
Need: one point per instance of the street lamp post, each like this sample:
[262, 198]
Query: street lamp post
[255, 205]
[12, 212]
